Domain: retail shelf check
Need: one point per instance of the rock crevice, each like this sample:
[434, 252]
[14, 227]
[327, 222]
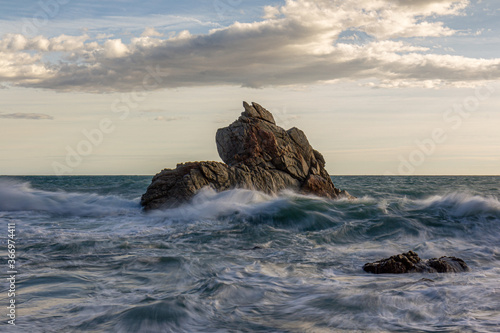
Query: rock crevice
[257, 154]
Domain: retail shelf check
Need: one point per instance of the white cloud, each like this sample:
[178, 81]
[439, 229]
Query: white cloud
[103, 36]
[62, 43]
[298, 43]
[23, 69]
[65, 43]
[151, 32]
[13, 42]
[114, 48]
[271, 12]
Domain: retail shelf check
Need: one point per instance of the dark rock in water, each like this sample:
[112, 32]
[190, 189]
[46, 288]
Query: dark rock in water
[448, 265]
[410, 262]
[257, 154]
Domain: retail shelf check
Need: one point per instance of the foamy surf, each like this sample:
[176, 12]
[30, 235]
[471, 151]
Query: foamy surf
[20, 196]
[461, 204]
[92, 260]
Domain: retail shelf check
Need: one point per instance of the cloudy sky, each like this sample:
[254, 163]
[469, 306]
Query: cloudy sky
[128, 87]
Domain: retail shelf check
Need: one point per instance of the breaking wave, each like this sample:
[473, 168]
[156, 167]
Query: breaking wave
[20, 196]
[461, 204]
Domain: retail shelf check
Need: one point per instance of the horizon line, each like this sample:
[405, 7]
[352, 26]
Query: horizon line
[338, 175]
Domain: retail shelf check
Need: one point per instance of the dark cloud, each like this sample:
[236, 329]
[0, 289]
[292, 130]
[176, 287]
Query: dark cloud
[34, 116]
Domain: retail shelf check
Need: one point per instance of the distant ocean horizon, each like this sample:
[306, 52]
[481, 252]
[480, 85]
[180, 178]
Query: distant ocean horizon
[89, 259]
[333, 176]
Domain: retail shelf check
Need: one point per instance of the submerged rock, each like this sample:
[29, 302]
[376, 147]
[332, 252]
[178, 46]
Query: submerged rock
[410, 262]
[257, 154]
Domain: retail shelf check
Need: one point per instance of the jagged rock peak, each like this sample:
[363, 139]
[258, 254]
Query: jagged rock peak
[257, 111]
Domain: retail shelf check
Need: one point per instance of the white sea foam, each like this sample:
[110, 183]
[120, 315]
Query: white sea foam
[209, 204]
[462, 204]
[20, 196]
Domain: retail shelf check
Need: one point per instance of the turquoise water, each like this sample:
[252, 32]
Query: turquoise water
[89, 259]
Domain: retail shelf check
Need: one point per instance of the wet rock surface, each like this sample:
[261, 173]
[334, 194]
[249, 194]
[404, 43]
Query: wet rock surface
[410, 262]
[257, 154]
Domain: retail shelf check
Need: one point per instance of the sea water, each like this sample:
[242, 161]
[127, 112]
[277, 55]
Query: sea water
[88, 259]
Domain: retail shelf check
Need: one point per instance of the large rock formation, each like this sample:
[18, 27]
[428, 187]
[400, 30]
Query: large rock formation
[257, 154]
[410, 262]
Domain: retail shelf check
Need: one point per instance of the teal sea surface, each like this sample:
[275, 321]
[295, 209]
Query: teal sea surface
[90, 260]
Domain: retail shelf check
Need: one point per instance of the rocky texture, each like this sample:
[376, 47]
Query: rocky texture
[257, 154]
[410, 262]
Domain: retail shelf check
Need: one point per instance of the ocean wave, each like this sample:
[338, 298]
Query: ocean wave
[20, 196]
[461, 204]
[288, 209]
[209, 204]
